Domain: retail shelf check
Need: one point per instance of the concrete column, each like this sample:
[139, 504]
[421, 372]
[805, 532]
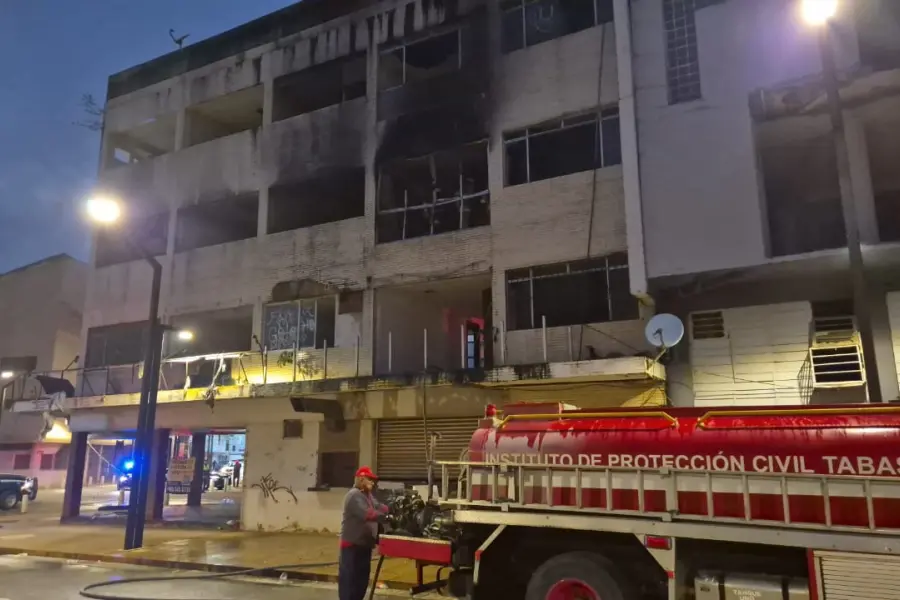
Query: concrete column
[884, 343]
[182, 129]
[159, 461]
[262, 222]
[198, 452]
[75, 476]
[861, 178]
[367, 443]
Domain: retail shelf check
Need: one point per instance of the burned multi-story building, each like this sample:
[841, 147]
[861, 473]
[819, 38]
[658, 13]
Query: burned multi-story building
[374, 212]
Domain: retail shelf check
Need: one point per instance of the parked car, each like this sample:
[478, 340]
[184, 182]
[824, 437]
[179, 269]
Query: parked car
[14, 487]
[124, 481]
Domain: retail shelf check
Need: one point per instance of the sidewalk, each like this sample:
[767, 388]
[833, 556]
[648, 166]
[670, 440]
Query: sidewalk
[203, 550]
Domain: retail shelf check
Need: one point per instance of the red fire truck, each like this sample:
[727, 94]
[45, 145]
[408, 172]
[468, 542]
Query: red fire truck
[780, 503]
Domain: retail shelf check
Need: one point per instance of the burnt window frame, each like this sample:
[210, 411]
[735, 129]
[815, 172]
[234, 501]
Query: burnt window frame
[616, 262]
[290, 80]
[604, 115]
[461, 199]
[509, 7]
[325, 191]
[187, 216]
[418, 40]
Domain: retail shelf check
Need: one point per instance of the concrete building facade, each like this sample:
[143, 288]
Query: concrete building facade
[40, 320]
[373, 212]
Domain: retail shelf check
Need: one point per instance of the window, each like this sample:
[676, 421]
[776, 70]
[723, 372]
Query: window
[47, 461]
[707, 325]
[217, 222]
[319, 86]
[317, 201]
[21, 462]
[442, 192]
[307, 323]
[563, 147]
[291, 429]
[115, 245]
[121, 344]
[682, 58]
[530, 22]
[420, 60]
[338, 469]
[596, 290]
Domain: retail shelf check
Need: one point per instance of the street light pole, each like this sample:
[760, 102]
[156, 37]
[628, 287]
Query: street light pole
[143, 442]
[861, 304]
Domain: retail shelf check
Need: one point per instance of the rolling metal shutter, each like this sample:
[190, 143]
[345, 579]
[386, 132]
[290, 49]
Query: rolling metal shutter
[401, 445]
[847, 576]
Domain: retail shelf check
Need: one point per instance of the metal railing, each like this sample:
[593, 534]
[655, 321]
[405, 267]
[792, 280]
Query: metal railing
[507, 490]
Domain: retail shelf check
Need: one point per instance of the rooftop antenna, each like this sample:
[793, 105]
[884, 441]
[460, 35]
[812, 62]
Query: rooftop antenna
[179, 41]
[664, 331]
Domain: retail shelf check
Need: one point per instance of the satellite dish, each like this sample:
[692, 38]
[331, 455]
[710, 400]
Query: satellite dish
[664, 330]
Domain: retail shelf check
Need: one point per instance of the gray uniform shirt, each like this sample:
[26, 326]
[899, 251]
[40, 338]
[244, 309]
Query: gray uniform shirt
[356, 526]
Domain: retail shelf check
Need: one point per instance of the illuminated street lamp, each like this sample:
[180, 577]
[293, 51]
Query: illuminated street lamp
[185, 335]
[820, 14]
[7, 375]
[106, 211]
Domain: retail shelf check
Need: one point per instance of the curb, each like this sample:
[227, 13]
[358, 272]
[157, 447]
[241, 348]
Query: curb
[123, 559]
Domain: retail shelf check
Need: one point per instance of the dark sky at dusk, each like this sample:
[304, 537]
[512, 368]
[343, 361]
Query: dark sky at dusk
[54, 51]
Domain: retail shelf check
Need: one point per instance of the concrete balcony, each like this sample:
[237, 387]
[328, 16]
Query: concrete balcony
[225, 166]
[327, 139]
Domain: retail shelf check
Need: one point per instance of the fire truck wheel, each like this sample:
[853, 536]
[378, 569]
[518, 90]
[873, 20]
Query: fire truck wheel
[574, 576]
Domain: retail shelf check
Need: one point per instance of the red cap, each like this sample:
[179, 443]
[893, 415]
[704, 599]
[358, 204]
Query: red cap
[367, 473]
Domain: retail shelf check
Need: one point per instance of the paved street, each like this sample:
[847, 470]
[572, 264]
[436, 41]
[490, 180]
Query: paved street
[25, 578]
[218, 507]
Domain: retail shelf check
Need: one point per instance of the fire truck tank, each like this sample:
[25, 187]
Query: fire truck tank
[829, 461]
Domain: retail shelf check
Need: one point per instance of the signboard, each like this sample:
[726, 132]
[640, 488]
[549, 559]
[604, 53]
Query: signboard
[181, 470]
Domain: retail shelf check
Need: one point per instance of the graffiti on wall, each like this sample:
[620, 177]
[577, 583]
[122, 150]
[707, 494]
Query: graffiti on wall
[269, 486]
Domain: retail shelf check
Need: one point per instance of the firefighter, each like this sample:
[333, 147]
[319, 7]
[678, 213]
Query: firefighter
[359, 532]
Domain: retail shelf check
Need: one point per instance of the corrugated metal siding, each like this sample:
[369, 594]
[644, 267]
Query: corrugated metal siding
[762, 359]
[893, 304]
[859, 577]
[401, 445]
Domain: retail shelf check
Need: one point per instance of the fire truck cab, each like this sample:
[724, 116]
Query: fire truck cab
[768, 503]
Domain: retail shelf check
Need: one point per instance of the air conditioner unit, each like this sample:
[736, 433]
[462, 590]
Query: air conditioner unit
[835, 353]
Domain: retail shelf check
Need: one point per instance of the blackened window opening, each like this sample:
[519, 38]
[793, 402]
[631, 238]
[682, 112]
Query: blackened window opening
[563, 147]
[217, 222]
[317, 201]
[420, 60]
[133, 240]
[319, 86]
[530, 22]
[439, 193]
[112, 345]
[595, 290]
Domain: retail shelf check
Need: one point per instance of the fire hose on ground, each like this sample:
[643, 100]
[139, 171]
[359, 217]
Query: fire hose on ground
[87, 593]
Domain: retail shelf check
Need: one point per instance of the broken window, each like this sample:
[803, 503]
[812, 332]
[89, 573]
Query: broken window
[216, 222]
[317, 201]
[562, 147]
[133, 241]
[111, 345]
[306, 323]
[319, 86]
[595, 290]
[530, 22]
[224, 115]
[420, 60]
[442, 192]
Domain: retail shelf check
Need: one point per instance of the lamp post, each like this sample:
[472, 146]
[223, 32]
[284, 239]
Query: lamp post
[820, 14]
[107, 211]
